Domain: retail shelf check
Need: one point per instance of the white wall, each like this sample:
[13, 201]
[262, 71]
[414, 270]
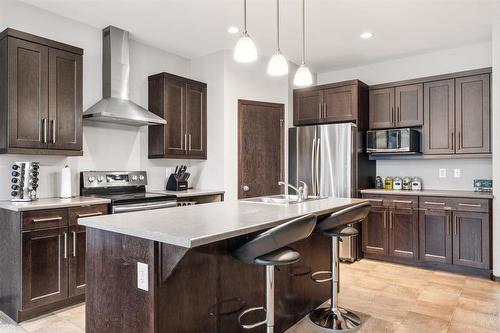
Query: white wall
[445, 61]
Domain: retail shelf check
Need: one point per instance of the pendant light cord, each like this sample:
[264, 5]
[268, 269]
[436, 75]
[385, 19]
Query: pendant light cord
[303, 31]
[244, 16]
[278, 22]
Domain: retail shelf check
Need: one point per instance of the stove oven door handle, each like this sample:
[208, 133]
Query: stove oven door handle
[134, 208]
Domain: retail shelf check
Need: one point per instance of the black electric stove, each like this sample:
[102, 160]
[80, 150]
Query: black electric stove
[125, 189]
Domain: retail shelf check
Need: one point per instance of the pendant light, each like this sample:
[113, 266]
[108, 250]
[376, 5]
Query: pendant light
[245, 50]
[303, 76]
[277, 64]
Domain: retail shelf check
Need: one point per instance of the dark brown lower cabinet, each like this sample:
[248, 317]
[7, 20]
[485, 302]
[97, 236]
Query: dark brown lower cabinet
[403, 233]
[435, 236]
[445, 233]
[471, 239]
[375, 231]
[44, 267]
[76, 270]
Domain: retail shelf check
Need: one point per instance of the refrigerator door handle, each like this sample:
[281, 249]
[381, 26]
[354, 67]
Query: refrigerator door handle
[313, 179]
[317, 167]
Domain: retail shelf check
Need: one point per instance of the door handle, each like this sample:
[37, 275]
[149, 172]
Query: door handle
[452, 140]
[246, 188]
[392, 115]
[189, 142]
[459, 144]
[325, 107]
[313, 178]
[317, 166]
[448, 225]
[470, 205]
[320, 110]
[74, 243]
[398, 115]
[455, 227]
[65, 245]
[434, 203]
[48, 219]
[44, 130]
[53, 124]
[89, 214]
[185, 142]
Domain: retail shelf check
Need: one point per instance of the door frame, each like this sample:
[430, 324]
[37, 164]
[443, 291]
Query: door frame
[242, 102]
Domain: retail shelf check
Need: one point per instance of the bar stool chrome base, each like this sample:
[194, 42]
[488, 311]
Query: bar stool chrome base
[340, 320]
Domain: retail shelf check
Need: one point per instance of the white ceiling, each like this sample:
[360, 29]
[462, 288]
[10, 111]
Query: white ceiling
[193, 28]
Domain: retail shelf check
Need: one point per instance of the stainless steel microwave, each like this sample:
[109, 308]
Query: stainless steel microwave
[400, 140]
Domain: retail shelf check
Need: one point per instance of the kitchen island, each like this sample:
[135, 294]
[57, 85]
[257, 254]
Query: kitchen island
[189, 280]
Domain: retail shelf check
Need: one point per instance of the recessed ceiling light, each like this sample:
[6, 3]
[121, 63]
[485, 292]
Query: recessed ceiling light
[233, 30]
[366, 35]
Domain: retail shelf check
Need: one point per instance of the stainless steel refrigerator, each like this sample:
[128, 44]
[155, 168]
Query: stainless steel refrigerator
[331, 160]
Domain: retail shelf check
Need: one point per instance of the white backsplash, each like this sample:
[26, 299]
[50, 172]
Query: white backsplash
[428, 171]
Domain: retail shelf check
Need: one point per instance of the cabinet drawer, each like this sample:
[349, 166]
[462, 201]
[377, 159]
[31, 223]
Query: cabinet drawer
[471, 205]
[435, 203]
[41, 219]
[86, 211]
[375, 200]
[402, 201]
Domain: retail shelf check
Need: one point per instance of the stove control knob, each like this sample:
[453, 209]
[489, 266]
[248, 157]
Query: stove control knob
[15, 173]
[100, 179]
[141, 178]
[134, 178]
[15, 180]
[91, 179]
[15, 167]
[13, 193]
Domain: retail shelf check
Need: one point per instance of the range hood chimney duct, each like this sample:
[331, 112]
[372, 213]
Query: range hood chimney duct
[115, 105]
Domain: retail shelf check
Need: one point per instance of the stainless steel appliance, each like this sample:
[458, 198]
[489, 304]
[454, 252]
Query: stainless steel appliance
[24, 182]
[330, 159]
[125, 189]
[393, 141]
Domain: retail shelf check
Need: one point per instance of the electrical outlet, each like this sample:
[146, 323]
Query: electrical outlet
[142, 276]
[442, 173]
[457, 173]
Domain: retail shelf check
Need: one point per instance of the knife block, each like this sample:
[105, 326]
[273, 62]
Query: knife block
[175, 184]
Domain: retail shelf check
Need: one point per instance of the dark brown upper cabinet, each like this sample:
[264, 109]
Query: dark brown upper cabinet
[457, 116]
[183, 104]
[40, 95]
[472, 114]
[401, 106]
[331, 103]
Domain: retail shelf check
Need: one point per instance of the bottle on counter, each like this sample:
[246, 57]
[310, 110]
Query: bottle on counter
[388, 183]
[407, 183]
[416, 184]
[379, 183]
[397, 183]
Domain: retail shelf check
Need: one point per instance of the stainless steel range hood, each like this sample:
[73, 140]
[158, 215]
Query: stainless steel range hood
[115, 105]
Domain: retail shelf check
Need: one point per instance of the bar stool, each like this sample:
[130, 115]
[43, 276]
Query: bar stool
[270, 249]
[334, 317]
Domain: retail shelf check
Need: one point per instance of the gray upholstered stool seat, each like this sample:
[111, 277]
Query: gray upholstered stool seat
[271, 249]
[335, 226]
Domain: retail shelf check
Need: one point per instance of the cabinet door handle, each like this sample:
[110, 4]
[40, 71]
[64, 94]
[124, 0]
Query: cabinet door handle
[470, 205]
[74, 243]
[402, 201]
[53, 122]
[452, 140]
[320, 110]
[65, 245]
[325, 107]
[448, 225]
[89, 214]
[398, 115]
[189, 142]
[455, 226]
[391, 216]
[185, 142]
[459, 143]
[47, 219]
[392, 115]
[44, 130]
[434, 203]
[385, 219]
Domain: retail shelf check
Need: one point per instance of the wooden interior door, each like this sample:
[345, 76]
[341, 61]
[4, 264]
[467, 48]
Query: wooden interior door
[28, 95]
[382, 108]
[196, 120]
[439, 117]
[261, 131]
[472, 95]
[65, 100]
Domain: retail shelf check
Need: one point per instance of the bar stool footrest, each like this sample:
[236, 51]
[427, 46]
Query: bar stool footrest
[318, 280]
[250, 326]
[339, 320]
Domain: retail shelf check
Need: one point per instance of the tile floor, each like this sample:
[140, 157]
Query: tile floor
[388, 298]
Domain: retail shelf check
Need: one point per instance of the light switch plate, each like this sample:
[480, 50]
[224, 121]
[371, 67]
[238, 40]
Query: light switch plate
[442, 173]
[456, 173]
[142, 276]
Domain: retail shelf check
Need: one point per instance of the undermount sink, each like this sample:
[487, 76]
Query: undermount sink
[281, 199]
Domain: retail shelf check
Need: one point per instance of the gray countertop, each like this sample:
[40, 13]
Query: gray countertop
[197, 225]
[48, 203]
[190, 192]
[433, 193]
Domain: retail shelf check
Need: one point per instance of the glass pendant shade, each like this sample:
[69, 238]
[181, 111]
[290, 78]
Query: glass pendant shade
[303, 76]
[277, 65]
[245, 50]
